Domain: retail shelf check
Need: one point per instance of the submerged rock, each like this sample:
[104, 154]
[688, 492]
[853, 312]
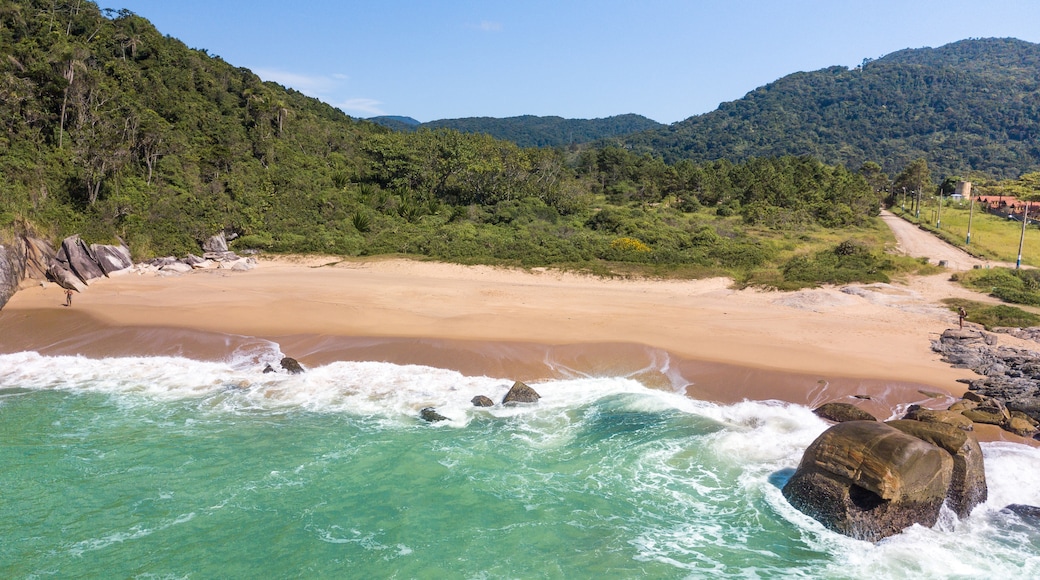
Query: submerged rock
[430, 415]
[520, 393]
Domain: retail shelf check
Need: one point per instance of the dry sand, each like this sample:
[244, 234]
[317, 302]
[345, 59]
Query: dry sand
[804, 347]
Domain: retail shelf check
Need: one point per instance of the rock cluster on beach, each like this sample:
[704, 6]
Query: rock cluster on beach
[75, 264]
[1007, 393]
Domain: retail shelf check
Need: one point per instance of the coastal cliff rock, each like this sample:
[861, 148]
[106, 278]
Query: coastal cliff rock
[869, 480]
[968, 483]
[520, 393]
[841, 412]
[12, 268]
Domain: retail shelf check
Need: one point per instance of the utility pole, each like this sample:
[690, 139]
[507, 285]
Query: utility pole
[917, 194]
[971, 212]
[903, 206]
[1022, 240]
[938, 212]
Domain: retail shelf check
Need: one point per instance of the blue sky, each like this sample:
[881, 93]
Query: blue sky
[664, 59]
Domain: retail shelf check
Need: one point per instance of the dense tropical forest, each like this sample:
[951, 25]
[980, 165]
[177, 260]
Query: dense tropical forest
[972, 105]
[114, 131]
[533, 131]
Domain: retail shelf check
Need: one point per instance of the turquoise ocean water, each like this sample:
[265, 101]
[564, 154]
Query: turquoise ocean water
[166, 467]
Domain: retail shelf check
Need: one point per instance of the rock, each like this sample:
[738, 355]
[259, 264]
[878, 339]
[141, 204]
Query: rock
[292, 365]
[430, 415]
[77, 257]
[64, 277]
[39, 254]
[112, 259]
[968, 481]
[952, 418]
[841, 412]
[12, 269]
[520, 393]
[1021, 426]
[482, 401]
[1030, 514]
[869, 480]
[990, 412]
[176, 268]
[269, 369]
[216, 243]
[962, 405]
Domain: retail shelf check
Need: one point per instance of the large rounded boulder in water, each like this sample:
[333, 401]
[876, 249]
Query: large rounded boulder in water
[869, 480]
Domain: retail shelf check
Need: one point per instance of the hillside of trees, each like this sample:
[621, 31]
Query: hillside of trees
[972, 105]
[533, 131]
[111, 130]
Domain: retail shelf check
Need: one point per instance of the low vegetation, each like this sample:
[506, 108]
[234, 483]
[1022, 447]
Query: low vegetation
[994, 316]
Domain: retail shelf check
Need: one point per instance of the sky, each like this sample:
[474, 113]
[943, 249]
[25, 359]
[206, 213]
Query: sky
[580, 59]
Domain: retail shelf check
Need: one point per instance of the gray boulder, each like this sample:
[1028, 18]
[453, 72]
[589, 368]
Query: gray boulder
[111, 258]
[520, 393]
[75, 255]
[216, 243]
[64, 277]
[869, 480]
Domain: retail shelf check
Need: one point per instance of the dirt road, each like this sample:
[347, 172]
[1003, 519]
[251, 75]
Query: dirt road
[918, 243]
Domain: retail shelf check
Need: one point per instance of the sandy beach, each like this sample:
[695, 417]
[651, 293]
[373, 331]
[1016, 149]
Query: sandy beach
[716, 342]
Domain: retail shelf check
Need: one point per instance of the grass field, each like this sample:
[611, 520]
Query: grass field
[992, 237]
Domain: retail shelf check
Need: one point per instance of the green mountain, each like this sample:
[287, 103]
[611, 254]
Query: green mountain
[533, 131]
[972, 105]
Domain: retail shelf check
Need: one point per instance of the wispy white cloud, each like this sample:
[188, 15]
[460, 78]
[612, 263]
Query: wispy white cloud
[327, 88]
[310, 85]
[361, 107]
[488, 26]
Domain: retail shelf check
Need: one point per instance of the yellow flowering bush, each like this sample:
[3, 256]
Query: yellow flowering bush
[629, 245]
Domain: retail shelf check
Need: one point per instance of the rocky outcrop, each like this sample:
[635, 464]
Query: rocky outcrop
[12, 269]
[1009, 377]
[76, 256]
[968, 483]
[482, 401]
[1029, 514]
[869, 480]
[520, 393]
[841, 412]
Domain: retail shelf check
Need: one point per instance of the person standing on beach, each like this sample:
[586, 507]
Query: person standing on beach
[68, 297]
[962, 314]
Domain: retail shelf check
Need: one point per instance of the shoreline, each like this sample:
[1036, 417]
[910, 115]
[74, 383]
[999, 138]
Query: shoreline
[728, 344]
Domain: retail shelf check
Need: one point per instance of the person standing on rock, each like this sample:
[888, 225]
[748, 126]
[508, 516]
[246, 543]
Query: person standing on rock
[962, 315]
[68, 297]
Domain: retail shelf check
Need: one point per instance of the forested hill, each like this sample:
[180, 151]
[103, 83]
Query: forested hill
[969, 105]
[534, 131]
